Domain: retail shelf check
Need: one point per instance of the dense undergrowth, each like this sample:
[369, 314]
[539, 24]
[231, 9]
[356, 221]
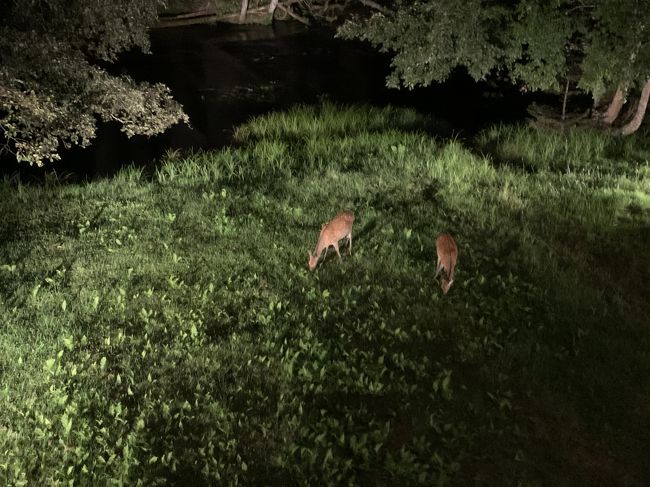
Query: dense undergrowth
[164, 330]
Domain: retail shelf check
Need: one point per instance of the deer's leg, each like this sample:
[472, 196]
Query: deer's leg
[336, 247]
[438, 268]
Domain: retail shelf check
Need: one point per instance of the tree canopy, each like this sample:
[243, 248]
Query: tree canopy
[52, 89]
[535, 43]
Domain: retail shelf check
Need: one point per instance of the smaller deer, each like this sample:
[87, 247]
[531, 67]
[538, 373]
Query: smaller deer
[340, 227]
[447, 255]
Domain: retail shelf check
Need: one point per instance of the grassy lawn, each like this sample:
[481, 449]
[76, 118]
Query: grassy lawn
[163, 328]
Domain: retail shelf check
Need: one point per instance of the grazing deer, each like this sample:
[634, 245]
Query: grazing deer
[340, 227]
[447, 255]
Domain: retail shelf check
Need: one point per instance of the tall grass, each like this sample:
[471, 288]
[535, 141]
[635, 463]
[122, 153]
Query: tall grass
[165, 330]
[328, 120]
[536, 149]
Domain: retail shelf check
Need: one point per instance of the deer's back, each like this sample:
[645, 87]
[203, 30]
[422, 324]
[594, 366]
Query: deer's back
[340, 226]
[447, 249]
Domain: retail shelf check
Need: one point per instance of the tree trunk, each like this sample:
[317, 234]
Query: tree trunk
[635, 123]
[272, 7]
[614, 107]
[242, 13]
[566, 95]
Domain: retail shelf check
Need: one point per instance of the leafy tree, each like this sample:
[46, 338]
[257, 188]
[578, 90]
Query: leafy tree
[617, 56]
[536, 43]
[52, 89]
[430, 38]
[538, 46]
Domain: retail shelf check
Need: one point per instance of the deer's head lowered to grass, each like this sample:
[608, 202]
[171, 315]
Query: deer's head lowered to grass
[338, 228]
[447, 255]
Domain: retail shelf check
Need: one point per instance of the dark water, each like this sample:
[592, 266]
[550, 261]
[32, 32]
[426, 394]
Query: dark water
[225, 74]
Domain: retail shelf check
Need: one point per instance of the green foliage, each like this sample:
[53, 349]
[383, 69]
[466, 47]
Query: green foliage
[50, 89]
[538, 38]
[166, 330]
[616, 47]
[536, 43]
[428, 39]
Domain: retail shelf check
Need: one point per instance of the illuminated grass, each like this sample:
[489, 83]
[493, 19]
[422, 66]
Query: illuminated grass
[166, 329]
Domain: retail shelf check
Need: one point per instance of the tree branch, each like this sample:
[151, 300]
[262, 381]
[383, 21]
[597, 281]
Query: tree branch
[375, 5]
[290, 13]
